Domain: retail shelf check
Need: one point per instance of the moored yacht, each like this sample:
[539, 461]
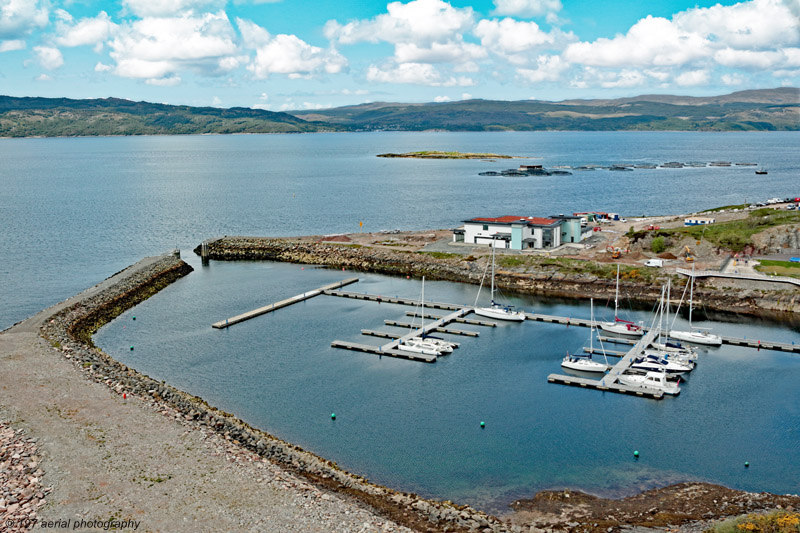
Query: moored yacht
[650, 380]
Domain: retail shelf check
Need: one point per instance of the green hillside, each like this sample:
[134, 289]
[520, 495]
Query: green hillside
[51, 117]
[768, 109]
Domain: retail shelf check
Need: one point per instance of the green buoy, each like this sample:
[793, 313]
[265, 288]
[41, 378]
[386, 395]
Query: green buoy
[747, 464]
[131, 348]
[134, 318]
[333, 416]
[483, 424]
[636, 453]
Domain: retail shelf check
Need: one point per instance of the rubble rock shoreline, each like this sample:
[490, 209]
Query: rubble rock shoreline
[70, 330]
[769, 304]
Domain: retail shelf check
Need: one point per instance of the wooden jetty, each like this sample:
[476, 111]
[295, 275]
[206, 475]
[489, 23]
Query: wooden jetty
[283, 303]
[392, 300]
[388, 335]
[437, 325]
[378, 350]
[451, 331]
[609, 381]
[469, 321]
[610, 353]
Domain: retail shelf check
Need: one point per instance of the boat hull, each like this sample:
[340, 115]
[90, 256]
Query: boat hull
[500, 314]
[697, 337]
[584, 366]
[622, 329]
[642, 381]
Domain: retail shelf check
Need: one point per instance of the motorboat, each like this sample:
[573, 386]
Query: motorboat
[657, 363]
[583, 363]
[674, 357]
[497, 310]
[623, 327]
[650, 380]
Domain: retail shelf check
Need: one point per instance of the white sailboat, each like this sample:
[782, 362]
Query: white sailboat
[667, 349]
[419, 344]
[496, 310]
[623, 327]
[584, 363]
[696, 335]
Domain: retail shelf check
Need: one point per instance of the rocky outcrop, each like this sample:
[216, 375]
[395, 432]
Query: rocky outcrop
[547, 281]
[70, 331]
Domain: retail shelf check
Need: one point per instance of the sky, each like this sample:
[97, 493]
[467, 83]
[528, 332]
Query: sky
[308, 54]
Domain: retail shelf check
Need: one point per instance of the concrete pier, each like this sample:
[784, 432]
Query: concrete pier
[283, 303]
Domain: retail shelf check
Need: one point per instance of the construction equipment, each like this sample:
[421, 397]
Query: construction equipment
[688, 254]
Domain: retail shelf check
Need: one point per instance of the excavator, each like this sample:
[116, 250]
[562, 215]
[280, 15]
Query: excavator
[688, 254]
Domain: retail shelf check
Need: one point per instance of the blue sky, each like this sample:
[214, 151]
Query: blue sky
[291, 54]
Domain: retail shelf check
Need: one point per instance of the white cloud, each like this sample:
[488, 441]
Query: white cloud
[43, 77]
[102, 67]
[10, 46]
[549, 68]
[526, 8]
[216, 102]
[732, 79]
[49, 57]
[154, 48]
[652, 41]
[19, 18]
[87, 31]
[290, 55]
[448, 52]
[415, 73]
[164, 82]
[466, 96]
[253, 35]
[161, 8]
[441, 99]
[515, 40]
[731, 57]
[752, 35]
[420, 21]
[692, 77]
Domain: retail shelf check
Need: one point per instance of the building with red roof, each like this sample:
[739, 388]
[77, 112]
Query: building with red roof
[520, 232]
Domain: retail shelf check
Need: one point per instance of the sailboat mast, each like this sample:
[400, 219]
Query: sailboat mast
[616, 295]
[591, 328]
[493, 243]
[691, 293]
[422, 317]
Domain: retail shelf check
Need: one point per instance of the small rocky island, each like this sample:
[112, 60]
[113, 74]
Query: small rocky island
[433, 154]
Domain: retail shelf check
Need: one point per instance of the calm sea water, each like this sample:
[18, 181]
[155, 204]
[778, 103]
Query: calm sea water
[74, 211]
[416, 427]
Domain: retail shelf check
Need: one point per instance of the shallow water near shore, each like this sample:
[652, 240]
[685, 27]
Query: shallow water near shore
[73, 211]
[416, 427]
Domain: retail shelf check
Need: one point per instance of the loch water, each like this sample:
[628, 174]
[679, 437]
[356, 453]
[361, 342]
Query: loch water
[416, 426]
[75, 211]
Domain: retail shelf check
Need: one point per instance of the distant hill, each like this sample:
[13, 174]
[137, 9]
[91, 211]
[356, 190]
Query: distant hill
[765, 109]
[51, 117]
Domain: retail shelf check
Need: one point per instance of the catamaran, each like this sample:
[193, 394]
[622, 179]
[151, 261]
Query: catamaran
[697, 335]
[624, 327]
[496, 310]
[584, 363]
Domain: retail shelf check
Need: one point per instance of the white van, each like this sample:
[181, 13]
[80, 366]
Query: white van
[654, 263]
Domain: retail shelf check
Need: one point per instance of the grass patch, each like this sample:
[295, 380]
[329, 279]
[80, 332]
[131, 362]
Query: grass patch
[725, 208]
[780, 268]
[736, 234]
[435, 154]
[441, 255]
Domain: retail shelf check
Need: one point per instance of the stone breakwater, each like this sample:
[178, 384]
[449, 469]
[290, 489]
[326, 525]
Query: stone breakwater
[70, 331]
[546, 281]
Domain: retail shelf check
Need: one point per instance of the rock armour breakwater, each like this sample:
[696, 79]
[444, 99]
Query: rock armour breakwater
[70, 331]
[545, 282]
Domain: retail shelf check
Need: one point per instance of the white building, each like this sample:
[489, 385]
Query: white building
[698, 221]
[520, 233]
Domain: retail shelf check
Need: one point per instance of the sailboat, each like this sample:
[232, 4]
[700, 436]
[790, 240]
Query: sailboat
[697, 335]
[496, 310]
[668, 349]
[419, 344]
[624, 327]
[584, 363]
